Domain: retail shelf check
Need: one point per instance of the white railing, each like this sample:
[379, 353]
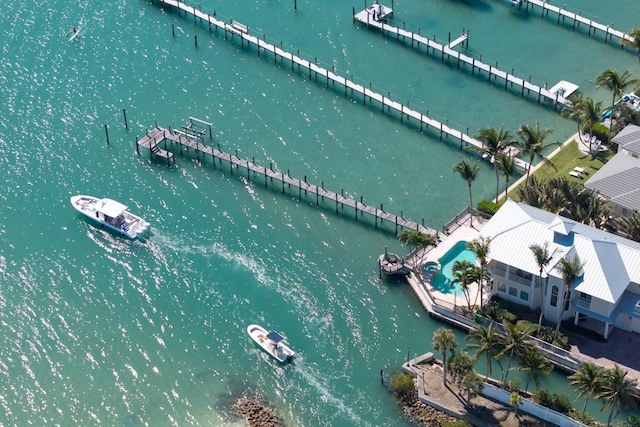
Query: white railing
[530, 407]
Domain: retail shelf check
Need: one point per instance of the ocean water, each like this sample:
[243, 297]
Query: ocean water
[98, 330]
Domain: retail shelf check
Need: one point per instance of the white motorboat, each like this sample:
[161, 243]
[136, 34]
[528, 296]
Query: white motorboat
[271, 342]
[111, 214]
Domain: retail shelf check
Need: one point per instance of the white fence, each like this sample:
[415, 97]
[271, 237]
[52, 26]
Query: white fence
[530, 407]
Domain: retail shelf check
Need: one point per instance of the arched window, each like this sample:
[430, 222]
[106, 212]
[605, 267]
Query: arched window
[554, 296]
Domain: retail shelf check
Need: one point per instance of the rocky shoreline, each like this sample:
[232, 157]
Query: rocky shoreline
[421, 414]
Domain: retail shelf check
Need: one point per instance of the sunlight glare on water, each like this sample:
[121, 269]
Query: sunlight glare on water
[99, 330]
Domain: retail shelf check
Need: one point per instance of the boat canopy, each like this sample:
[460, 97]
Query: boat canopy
[111, 208]
[275, 337]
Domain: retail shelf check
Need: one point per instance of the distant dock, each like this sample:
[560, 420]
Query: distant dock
[236, 28]
[367, 17]
[577, 18]
[190, 137]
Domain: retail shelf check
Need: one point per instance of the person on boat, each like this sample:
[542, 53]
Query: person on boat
[74, 30]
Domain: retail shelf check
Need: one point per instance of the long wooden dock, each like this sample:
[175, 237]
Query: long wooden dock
[159, 135]
[237, 29]
[608, 30]
[366, 17]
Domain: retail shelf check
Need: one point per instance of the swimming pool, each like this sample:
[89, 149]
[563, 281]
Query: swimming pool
[441, 282]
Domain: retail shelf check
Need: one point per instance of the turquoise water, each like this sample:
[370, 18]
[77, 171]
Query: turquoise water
[442, 281]
[101, 330]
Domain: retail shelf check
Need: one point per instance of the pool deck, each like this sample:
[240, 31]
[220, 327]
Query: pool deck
[464, 233]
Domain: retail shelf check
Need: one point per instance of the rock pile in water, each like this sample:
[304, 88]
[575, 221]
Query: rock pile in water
[257, 413]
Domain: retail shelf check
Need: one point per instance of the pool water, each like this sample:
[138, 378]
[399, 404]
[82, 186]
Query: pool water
[442, 282]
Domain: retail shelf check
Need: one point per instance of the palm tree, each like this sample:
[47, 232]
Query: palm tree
[494, 143]
[531, 194]
[481, 248]
[594, 210]
[462, 271]
[533, 143]
[635, 34]
[586, 381]
[516, 400]
[543, 259]
[511, 340]
[468, 173]
[592, 115]
[443, 341]
[630, 225]
[575, 111]
[570, 270]
[461, 365]
[617, 391]
[534, 362]
[507, 166]
[617, 84]
[473, 384]
[418, 240]
[485, 341]
[587, 112]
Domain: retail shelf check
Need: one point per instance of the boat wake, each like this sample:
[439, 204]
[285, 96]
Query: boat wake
[315, 380]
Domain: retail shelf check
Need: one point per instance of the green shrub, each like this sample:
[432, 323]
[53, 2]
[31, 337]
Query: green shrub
[529, 324]
[488, 207]
[513, 307]
[457, 423]
[633, 421]
[493, 311]
[401, 384]
[558, 402]
[600, 131]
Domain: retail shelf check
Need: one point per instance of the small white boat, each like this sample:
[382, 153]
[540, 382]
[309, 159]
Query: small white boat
[271, 342]
[111, 214]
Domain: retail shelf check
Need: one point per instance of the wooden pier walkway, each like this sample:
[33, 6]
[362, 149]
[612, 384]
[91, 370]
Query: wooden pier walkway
[608, 30]
[366, 17]
[242, 31]
[152, 139]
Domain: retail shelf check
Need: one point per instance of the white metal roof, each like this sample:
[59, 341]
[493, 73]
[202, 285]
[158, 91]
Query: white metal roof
[610, 262]
[619, 181]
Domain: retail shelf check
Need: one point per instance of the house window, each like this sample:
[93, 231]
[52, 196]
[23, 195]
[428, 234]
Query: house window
[524, 296]
[584, 300]
[554, 296]
[502, 287]
[566, 303]
[513, 291]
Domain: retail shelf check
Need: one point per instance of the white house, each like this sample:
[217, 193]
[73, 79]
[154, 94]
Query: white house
[619, 179]
[608, 290]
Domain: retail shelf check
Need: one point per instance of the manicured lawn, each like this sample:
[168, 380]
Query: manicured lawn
[567, 159]
[570, 157]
